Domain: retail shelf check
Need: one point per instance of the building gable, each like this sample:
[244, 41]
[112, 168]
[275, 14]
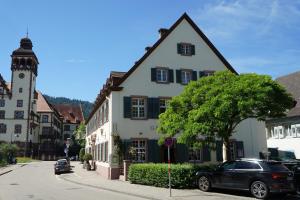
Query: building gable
[167, 34]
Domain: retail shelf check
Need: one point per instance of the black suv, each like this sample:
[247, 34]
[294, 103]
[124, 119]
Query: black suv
[260, 177]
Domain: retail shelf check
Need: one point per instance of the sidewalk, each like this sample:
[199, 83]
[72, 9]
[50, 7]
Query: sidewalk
[92, 179]
[9, 168]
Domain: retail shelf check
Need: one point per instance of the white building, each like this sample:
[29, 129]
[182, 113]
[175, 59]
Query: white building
[18, 115]
[284, 133]
[130, 102]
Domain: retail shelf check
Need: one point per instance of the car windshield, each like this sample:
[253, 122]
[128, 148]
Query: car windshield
[61, 162]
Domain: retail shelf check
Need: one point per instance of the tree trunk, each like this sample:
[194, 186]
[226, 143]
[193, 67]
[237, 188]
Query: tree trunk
[226, 150]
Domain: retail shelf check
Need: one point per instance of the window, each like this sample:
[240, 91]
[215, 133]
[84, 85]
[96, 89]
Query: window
[45, 118]
[138, 107]
[66, 127]
[228, 165]
[1, 90]
[19, 103]
[2, 102]
[19, 114]
[2, 128]
[106, 111]
[46, 130]
[20, 90]
[139, 150]
[102, 114]
[246, 165]
[163, 104]
[2, 114]
[185, 49]
[186, 76]
[18, 129]
[195, 155]
[161, 75]
[298, 131]
[206, 73]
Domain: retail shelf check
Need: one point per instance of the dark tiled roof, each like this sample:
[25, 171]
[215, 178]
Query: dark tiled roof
[70, 113]
[5, 85]
[292, 84]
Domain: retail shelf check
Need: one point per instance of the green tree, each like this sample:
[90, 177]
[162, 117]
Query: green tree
[212, 107]
[80, 134]
[7, 150]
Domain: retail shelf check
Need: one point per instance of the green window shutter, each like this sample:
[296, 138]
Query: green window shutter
[193, 49]
[239, 149]
[178, 76]
[125, 148]
[153, 151]
[182, 153]
[153, 108]
[178, 48]
[105, 151]
[206, 154]
[127, 107]
[171, 76]
[219, 151]
[153, 74]
[194, 76]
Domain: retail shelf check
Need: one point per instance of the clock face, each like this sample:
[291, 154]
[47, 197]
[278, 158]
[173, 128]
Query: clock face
[21, 75]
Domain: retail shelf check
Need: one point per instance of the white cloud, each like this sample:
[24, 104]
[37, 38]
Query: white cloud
[72, 60]
[227, 19]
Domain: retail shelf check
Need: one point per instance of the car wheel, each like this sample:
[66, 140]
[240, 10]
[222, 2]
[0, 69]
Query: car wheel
[204, 184]
[259, 190]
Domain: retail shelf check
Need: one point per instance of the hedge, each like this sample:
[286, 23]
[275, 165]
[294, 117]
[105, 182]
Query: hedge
[182, 175]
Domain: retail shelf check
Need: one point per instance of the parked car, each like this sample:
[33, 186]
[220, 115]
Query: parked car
[260, 177]
[61, 165]
[294, 166]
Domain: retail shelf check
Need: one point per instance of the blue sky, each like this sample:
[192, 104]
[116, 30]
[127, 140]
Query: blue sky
[79, 42]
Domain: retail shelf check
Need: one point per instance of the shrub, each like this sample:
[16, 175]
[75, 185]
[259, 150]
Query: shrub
[8, 151]
[182, 175]
[88, 157]
[81, 154]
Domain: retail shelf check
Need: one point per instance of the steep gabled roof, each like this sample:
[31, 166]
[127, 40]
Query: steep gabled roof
[121, 76]
[173, 27]
[70, 113]
[5, 85]
[42, 104]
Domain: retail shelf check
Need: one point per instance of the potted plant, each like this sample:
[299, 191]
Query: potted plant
[87, 158]
[81, 155]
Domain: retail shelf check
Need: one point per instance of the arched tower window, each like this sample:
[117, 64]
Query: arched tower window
[15, 61]
[29, 62]
[22, 61]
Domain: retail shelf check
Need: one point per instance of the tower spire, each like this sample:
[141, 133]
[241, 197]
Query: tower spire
[27, 32]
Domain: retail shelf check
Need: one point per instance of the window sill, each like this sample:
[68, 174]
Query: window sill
[139, 118]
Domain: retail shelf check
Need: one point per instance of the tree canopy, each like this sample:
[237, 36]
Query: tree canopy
[212, 107]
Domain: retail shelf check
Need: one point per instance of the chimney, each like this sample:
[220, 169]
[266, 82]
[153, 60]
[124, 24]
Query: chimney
[162, 32]
[147, 48]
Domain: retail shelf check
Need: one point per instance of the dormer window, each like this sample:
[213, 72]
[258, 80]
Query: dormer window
[186, 49]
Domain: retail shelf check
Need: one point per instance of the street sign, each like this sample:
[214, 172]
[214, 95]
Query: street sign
[169, 142]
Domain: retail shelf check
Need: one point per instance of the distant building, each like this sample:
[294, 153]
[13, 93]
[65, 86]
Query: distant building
[50, 130]
[72, 116]
[129, 103]
[284, 133]
[19, 120]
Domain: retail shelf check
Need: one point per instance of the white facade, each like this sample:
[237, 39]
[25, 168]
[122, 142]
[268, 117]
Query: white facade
[285, 136]
[19, 109]
[139, 84]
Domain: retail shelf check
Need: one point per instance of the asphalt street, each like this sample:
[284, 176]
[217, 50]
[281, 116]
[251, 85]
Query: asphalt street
[36, 181]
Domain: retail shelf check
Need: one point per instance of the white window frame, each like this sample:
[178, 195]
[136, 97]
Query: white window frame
[276, 135]
[186, 76]
[198, 153]
[138, 105]
[45, 117]
[163, 104]
[162, 75]
[186, 49]
[281, 132]
[140, 150]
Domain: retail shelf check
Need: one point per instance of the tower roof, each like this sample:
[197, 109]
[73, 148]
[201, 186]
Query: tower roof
[25, 49]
